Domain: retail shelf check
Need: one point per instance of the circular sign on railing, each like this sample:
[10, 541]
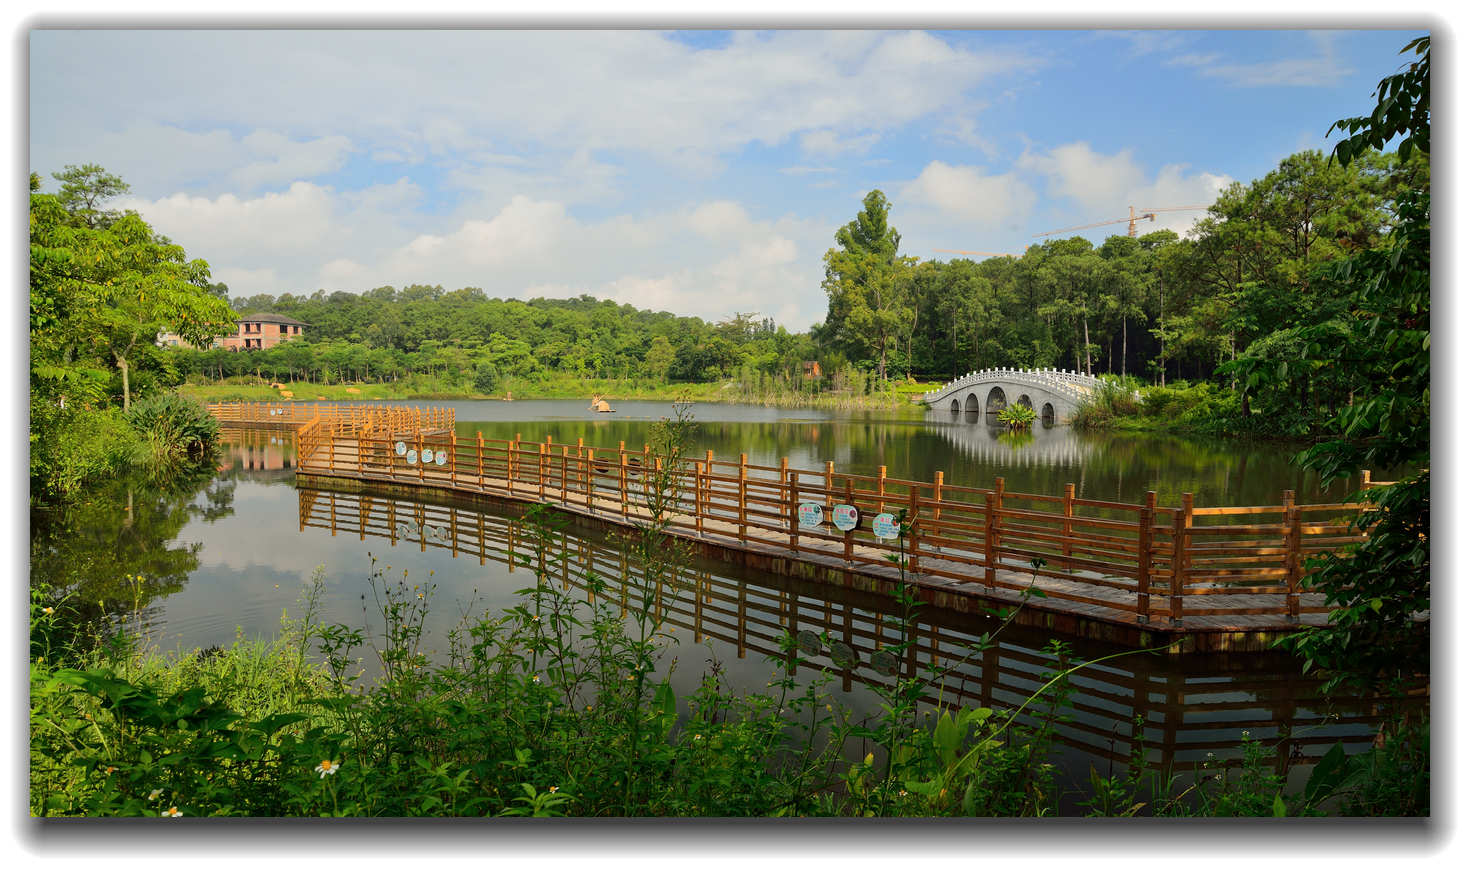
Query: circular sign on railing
[401, 448]
[845, 517]
[413, 457]
[809, 514]
[842, 655]
[440, 458]
[885, 527]
[885, 663]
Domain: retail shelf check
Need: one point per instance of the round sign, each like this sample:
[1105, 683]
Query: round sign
[440, 457]
[845, 517]
[842, 655]
[401, 448]
[884, 527]
[809, 642]
[809, 514]
[885, 663]
[413, 457]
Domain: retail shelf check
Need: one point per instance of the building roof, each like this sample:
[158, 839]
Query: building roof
[263, 317]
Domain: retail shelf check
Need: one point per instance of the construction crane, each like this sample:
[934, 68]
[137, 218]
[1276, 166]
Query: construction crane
[1131, 219]
[975, 253]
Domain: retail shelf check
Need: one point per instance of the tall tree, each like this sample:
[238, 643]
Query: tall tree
[865, 281]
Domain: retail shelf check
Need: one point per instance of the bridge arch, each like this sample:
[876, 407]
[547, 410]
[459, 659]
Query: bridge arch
[954, 406]
[1025, 399]
[972, 404]
[1060, 389]
[1048, 412]
[995, 401]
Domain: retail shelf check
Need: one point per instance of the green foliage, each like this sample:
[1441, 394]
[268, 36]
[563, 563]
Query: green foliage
[485, 379]
[1403, 110]
[1017, 416]
[74, 446]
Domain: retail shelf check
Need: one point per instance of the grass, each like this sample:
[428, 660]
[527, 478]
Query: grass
[551, 387]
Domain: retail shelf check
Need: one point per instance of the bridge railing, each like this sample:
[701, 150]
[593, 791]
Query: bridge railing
[1069, 383]
[1142, 560]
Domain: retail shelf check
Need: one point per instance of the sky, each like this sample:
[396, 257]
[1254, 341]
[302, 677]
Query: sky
[701, 173]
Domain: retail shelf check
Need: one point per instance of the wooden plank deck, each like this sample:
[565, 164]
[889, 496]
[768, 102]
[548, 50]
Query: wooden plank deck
[1246, 622]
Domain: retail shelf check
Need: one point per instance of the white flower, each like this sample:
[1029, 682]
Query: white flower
[153, 795]
[48, 610]
[327, 767]
[172, 811]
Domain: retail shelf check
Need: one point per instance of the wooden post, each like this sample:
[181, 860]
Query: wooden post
[1294, 564]
[623, 479]
[1179, 571]
[1069, 494]
[792, 509]
[512, 462]
[847, 535]
[563, 473]
[990, 505]
[829, 481]
[480, 459]
[1187, 501]
[742, 494]
[1145, 553]
[882, 477]
[699, 496]
[938, 500]
[913, 528]
[590, 477]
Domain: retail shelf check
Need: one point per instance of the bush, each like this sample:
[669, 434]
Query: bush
[486, 379]
[71, 446]
[185, 423]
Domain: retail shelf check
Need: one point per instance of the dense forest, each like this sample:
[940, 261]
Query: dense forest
[1159, 306]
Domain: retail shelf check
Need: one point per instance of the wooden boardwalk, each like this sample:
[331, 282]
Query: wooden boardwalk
[1208, 579]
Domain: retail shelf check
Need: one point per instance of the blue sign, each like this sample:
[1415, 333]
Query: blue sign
[884, 527]
[845, 517]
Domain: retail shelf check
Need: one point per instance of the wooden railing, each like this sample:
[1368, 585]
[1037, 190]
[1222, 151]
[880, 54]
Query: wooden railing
[354, 419]
[1144, 560]
[1181, 730]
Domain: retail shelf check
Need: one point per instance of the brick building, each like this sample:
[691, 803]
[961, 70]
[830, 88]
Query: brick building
[262, 331]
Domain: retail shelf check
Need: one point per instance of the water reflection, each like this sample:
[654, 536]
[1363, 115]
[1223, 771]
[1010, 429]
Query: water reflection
[1194, 704]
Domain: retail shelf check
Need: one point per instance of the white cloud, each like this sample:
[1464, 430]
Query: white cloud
[966, 194]
[1104, 186]
[1326, 69]
[404, 96]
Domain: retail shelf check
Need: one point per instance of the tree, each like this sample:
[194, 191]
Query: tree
[106, 289]
[864, 282]
[1378, 594]
[84, 189]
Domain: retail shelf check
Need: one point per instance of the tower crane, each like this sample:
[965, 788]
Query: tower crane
[975, 253]
[1132, 220]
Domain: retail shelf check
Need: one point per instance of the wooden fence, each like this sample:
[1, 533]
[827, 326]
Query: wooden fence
[1188, 713]
[1143, 559]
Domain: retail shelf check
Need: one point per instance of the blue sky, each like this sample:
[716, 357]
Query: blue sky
[697, 172]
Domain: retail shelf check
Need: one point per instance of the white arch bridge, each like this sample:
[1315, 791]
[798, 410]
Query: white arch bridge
[1049, 392]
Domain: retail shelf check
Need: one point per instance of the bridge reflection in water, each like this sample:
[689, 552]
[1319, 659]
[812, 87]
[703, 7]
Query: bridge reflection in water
[1195, 704]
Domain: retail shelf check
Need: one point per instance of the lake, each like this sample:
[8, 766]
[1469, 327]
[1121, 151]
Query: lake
[227, 559]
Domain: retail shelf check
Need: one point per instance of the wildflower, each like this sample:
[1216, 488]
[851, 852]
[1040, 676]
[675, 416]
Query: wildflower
[327, 767]
[48, 610]
[109, 769]
[902, 793]
[172, 811]
[535, 678]
[699, 736]
[553, 789]
[153, 795]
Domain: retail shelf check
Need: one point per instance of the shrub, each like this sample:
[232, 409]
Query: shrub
[71, 446]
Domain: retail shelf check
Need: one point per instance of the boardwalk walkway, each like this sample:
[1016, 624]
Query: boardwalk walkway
[1202, 579]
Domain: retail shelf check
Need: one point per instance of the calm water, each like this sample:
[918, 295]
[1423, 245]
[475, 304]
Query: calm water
[226, 560]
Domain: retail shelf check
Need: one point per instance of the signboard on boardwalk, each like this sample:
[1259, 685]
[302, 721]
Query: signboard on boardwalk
[884, 527]
[440, 457]
[401, 448]
[809, 514]
[845, 517]
[413, 457]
